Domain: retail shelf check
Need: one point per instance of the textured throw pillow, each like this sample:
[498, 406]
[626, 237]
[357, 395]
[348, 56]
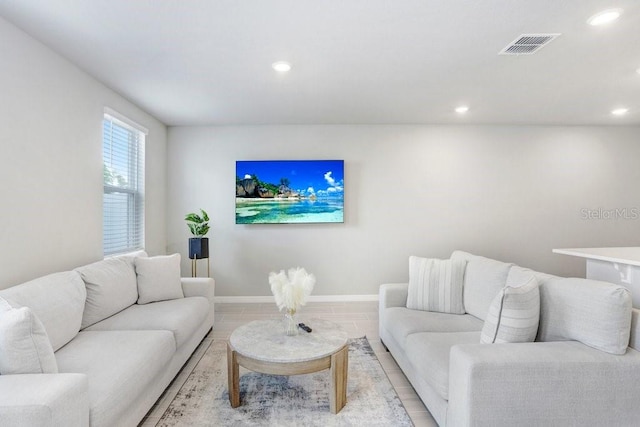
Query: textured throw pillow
[111, 287]
[24, 345]
[436, 285]
[513, 315]
[158, 278]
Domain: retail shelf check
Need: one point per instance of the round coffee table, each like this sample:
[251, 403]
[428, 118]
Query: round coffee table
[262, 346]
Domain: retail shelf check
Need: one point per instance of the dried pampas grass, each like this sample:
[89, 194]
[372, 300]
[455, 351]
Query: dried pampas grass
[291, 289]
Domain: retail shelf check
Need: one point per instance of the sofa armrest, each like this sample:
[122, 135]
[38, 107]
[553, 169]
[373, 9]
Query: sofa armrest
[199, 287]
[390, 295]
[393, 295]
[44, 400]
[542, 383]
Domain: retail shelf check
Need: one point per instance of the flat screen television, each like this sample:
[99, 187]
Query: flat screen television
[289, 191]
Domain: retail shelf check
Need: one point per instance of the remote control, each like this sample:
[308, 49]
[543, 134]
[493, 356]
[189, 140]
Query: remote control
[304, 327]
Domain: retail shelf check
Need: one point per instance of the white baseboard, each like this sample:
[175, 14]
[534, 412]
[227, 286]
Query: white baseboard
[312, 298]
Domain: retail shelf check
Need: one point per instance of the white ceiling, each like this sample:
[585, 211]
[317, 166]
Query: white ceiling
[200, 62]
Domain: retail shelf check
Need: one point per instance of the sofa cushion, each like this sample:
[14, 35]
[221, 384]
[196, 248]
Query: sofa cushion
[111, 287]
[436, 285]
[634, 338]
[401, 322]
[513, 315]
[24, 345]
[483, 279]
[49, 400]
[519, 275]
[119, 366]
[158, 278]
[56, 299]
[428, 352]
[181, 316]
[597, 314]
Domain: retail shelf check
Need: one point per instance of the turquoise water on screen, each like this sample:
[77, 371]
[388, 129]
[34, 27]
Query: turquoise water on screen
[268, 211]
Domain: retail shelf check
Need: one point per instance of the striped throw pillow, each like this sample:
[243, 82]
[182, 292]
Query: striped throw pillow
[513, 315]
[436, 285]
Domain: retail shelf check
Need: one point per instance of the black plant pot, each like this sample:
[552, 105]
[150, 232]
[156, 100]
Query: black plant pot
[198, 247]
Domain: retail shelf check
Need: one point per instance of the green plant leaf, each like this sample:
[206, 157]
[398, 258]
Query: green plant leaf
[192, 218]
[193, 229]
[198, 224]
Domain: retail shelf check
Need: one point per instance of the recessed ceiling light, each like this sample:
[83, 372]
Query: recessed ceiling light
[638, 71]
[281, 66]
[620, 111]
[604, 17]
[462, 109]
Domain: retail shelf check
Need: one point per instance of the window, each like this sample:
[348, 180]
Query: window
[123, 171]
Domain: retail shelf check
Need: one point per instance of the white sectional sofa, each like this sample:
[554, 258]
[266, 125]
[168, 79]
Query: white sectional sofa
[578, 372]
[115, 356]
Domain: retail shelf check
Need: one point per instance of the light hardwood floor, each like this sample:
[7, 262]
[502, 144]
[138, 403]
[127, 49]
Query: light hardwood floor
[357, 318]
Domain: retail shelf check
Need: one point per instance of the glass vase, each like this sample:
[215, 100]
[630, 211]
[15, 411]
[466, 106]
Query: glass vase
[290, 324]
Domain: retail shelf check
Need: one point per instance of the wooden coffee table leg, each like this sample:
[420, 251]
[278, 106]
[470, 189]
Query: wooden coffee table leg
[233, 376]
[339, 370]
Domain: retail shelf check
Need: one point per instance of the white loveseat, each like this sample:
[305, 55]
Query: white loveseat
[567, 377]
[114, 356]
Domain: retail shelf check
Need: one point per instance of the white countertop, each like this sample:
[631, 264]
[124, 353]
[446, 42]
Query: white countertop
[626, 255]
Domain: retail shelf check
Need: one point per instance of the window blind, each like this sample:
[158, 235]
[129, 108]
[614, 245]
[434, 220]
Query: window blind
[123, 173]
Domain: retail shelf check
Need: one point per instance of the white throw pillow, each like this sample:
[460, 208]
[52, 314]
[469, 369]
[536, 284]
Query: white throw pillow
[436, 285]
[111, 287]
[158, 278]
[513, 315]
[24, 345]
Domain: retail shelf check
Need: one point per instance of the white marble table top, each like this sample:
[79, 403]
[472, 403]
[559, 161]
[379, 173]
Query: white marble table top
[265, 340]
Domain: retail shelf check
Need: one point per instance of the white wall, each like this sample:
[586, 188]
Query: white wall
[51, 162]
[511, 193]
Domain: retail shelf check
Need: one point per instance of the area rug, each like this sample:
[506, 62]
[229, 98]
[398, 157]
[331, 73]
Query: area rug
[299, 400]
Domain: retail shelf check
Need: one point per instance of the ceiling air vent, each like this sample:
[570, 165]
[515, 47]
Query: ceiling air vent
[528, 44]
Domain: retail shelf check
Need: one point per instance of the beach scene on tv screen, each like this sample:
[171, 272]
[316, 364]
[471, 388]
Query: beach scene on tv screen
[289, 191]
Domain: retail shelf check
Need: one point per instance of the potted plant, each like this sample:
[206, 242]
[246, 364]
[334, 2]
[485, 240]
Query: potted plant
[199, 227]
